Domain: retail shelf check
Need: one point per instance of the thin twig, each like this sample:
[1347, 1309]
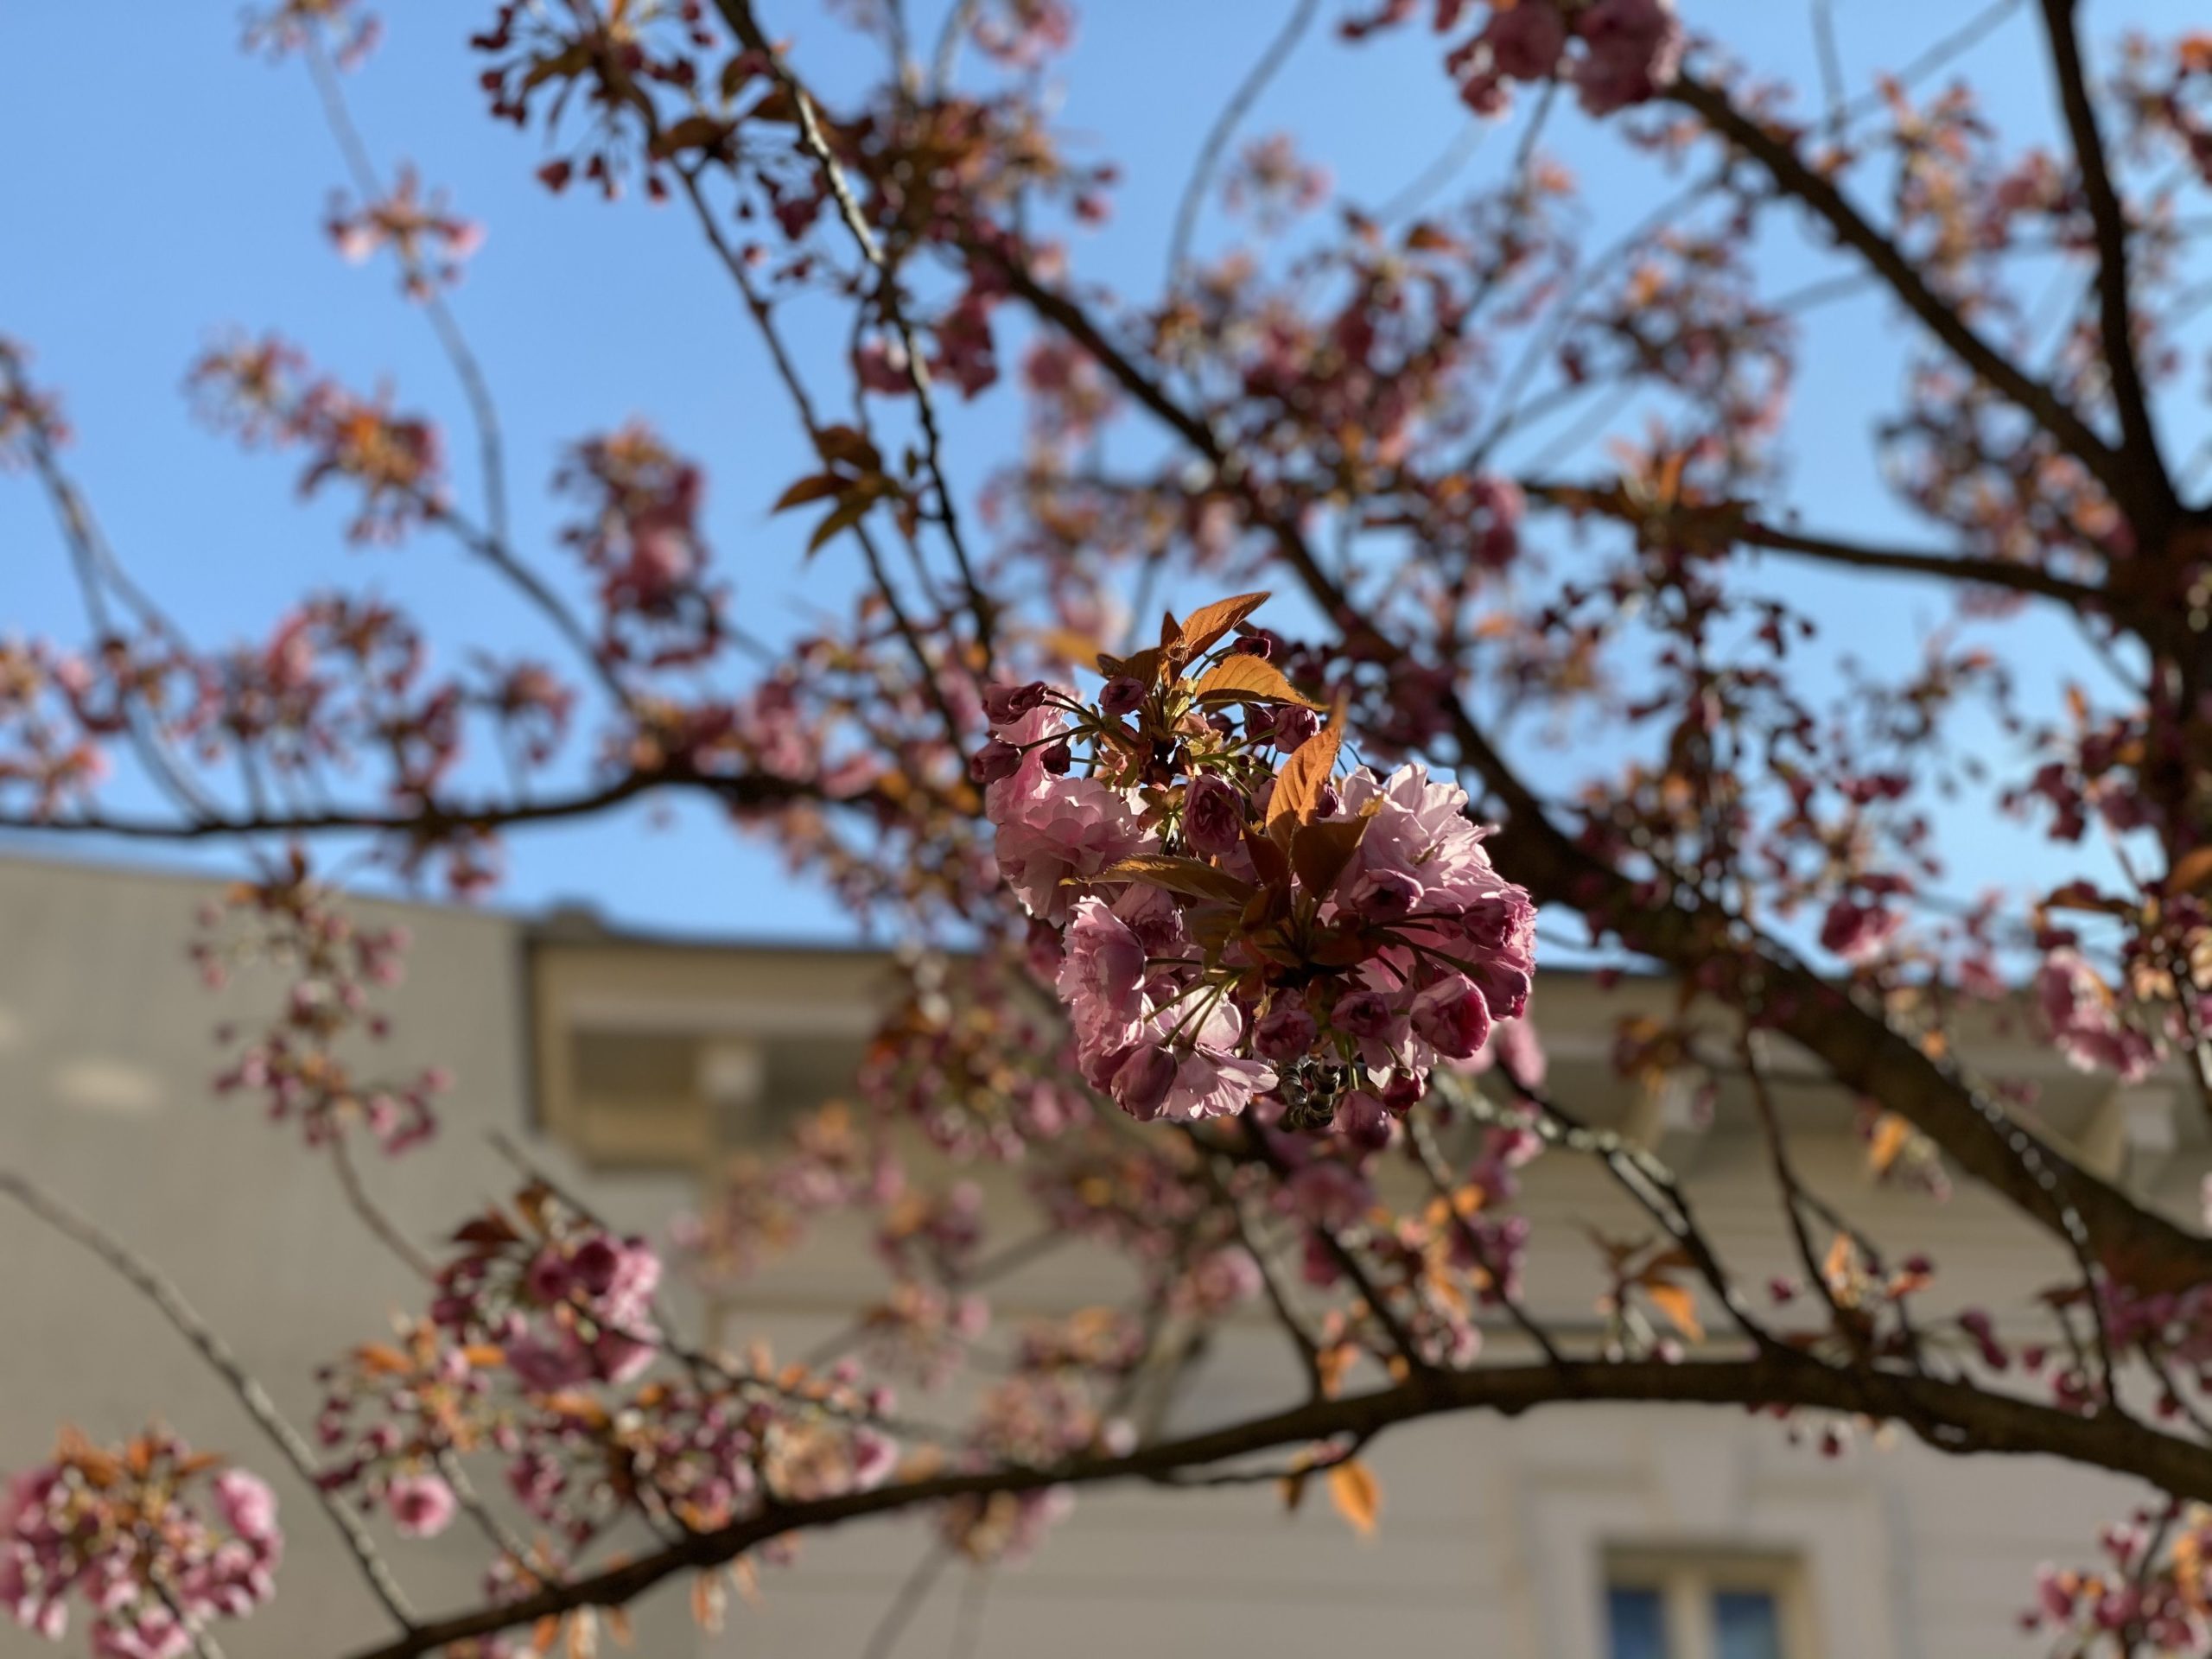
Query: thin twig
[1224, 127]
[372, 1216]
[150, 1283]
[908, 1602]
[739, 15]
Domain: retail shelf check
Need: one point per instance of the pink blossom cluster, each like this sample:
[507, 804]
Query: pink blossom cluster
[573, 56]
[28, 413]
[1614, 53]
[922, 1331]
[334, 966]
[1037, 1418]
[430, 242]
[1205, 963]
[564, 1300]
[155, 1542]
[49, 759]
[1022, 33]
[640, 538]
[967, 1058]
[2087, 1019]
[2152, 1591]
[259, 389]
[424, 1399]
[1273, 183]
[347, 30]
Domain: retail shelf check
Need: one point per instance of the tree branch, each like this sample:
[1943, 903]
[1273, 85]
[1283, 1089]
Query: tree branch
[2153, 487]
[1962, 568]
[149, 1283]
[432, 822]
[1953, 1417]
[1798, 182]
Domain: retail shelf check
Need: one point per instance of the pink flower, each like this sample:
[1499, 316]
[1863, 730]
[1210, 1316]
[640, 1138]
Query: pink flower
[1364, 1120]
[1142, 1081]
[1213, 815]
[248, 1507]
[1286, 1031]
[1329, 1194]
[1515, 1044]
[875, 1459]
[547, 1278]
[1857, 932]
[1211, 1081]
[1101, 979]
[1222, 1279]
[1122, 695]
[1451, 1017]
[422, 1505]
[546, 1367]
[1525, 42]
[1063, 827]
[2083, 1015]
[1632, 49]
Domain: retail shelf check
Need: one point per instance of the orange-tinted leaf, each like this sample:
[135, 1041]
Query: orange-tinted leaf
[1320, 851]
[491, 1229]
[1191, 876]
[534, 1202]
[850, 512]
[692, 132]
[812, 487]
[1357, 1495]
[581, 1406]
[844, 443]
[1209, 622]
[708, 1598]
[2190, 871]
[380, 1360]
[561, 66]
[1307, 773]
[1270, 862]
[1293, 1490]
[746, 1577]
[1679, 1304]
[1144, 667]
[1070, 646]
[1891, 1133]
[1841, 1269]
[1248, 679]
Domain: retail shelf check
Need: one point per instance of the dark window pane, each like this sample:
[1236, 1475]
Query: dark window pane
[1746, 1625]
[1637, 1621]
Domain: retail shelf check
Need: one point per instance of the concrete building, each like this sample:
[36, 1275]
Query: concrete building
[635, 1066]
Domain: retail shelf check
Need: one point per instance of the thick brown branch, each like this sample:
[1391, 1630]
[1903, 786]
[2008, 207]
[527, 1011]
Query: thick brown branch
[2154, 489]
[1962, 568]
[1953, 1416]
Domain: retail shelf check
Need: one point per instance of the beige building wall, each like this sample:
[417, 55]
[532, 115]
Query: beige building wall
[633, 1066]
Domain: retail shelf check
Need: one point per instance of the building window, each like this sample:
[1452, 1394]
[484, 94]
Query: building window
[1684, 1607]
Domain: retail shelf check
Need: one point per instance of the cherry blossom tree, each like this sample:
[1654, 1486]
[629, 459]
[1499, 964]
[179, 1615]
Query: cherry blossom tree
[1230, 921]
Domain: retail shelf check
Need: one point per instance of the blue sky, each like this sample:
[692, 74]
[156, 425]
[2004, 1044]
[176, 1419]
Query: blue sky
[167, 186]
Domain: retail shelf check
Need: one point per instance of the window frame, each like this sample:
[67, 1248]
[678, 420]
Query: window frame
[1687, 1580]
